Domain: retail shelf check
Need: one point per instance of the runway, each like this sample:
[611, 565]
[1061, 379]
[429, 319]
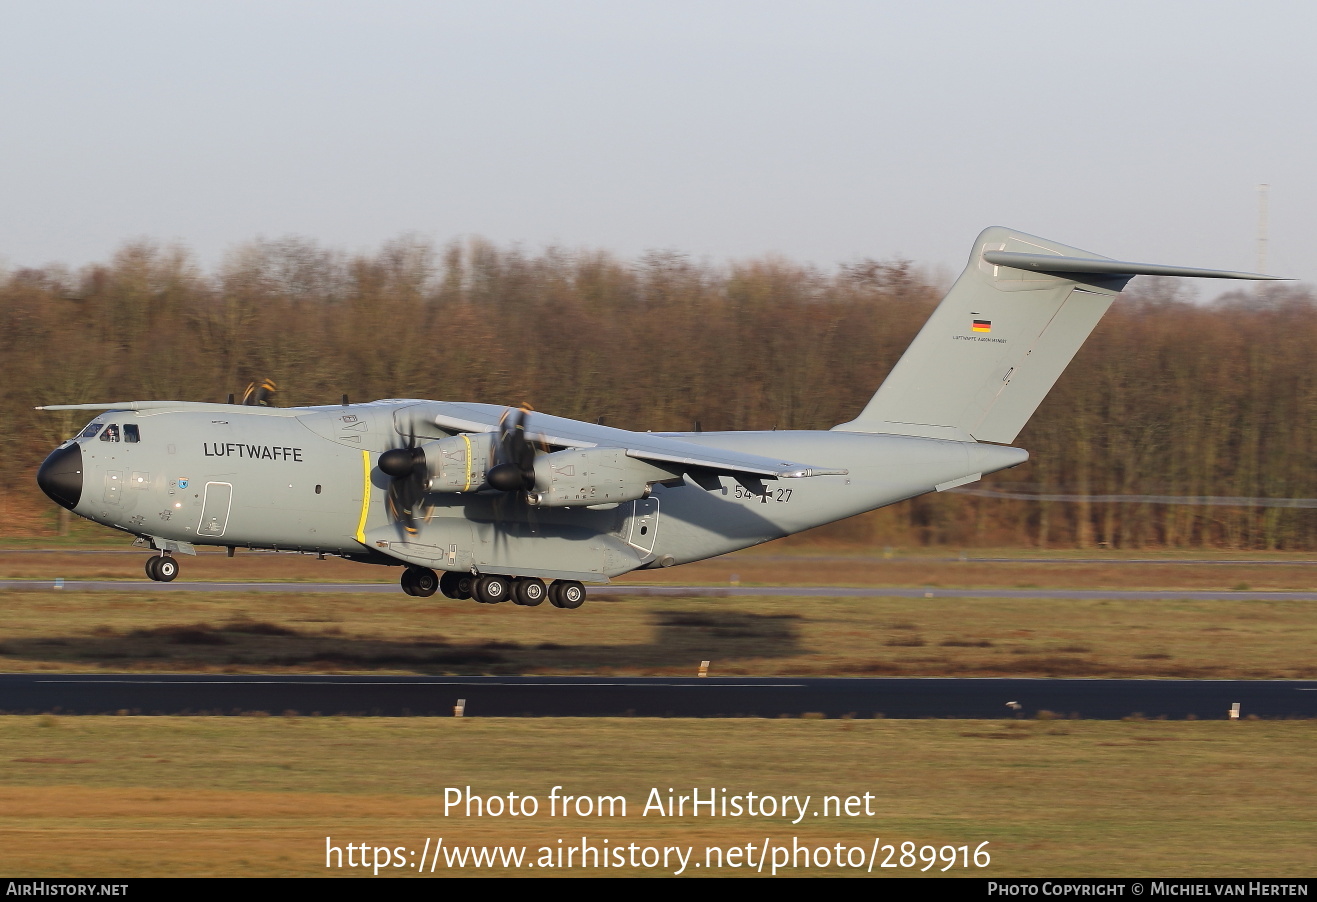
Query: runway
[402, 696]
[719, 591]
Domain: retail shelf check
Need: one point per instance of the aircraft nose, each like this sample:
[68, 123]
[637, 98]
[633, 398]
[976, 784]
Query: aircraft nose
[60, 476]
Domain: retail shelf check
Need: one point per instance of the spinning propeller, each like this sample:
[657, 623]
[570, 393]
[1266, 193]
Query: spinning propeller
[511, 473]
[409, 483]
[513, 467]
[260, 394]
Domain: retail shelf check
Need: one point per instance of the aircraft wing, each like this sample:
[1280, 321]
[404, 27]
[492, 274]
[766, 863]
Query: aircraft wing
[661, 449]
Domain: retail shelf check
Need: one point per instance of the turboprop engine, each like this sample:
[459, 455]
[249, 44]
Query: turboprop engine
[460, 463]
[592, 476]
[571, 478]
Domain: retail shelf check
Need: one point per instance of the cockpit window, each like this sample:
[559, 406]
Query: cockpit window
[111, 433]
[91, 430]
[130, 433]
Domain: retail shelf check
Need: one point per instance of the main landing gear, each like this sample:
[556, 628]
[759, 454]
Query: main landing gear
[161, 568]
[527, 591]
[420, 581]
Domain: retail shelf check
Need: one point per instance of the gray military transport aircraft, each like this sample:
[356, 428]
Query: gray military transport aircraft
[501, 501]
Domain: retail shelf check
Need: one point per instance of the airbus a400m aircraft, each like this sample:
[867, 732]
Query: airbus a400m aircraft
[500, 503]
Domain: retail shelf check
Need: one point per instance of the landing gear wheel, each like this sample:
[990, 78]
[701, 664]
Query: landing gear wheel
[493, 589]
[150, 567]
[570, 594]
[529, 591]
[455, 585]
[426, 582]
[166, 568]
[419, 581]
[567, 594]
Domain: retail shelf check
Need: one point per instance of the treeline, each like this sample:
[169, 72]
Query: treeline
[1168, 397]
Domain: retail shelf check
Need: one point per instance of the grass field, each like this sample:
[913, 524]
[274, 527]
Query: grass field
[143, 796]
[244, 796]
[234, 632]
[776, 564]
[128, 630]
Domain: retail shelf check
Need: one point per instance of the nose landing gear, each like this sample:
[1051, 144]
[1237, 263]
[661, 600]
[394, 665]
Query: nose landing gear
[161, 568]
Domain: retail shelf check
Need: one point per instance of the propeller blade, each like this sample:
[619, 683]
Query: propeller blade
[409, 483]
[260, 394]
[512, 473]
[513, 468]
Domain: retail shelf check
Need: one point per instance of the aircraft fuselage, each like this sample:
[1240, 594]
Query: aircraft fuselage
[307, 479]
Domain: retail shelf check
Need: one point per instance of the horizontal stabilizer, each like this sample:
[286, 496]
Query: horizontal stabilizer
[1105, 266]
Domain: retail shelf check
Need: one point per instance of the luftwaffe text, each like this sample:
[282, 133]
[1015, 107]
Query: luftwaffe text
[253, 452]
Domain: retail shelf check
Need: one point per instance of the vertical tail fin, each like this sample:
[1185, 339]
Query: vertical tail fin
[1001, 338]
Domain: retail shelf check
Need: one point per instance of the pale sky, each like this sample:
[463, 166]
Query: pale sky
[821, 131]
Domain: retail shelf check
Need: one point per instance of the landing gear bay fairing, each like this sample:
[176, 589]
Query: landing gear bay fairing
[496, 503]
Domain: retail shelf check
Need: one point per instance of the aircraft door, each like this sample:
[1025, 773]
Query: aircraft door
[215, 509]
[644, 524]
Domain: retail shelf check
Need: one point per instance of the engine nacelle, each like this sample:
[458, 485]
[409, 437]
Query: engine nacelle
[459, 463]
[580, 477]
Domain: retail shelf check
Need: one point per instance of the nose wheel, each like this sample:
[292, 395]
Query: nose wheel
[162, 569]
